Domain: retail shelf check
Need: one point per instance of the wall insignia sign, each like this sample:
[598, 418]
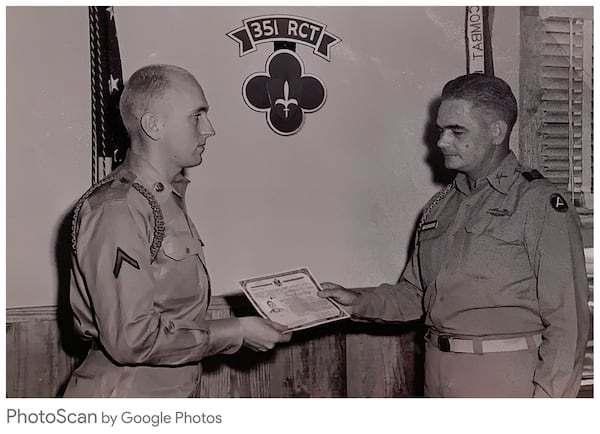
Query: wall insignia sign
[284, 91]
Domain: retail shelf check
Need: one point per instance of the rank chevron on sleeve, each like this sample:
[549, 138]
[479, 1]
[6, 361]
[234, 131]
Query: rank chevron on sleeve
[122, 256]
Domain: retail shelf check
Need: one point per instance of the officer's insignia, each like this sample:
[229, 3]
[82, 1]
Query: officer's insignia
[530, 176]
[122, 256]
[429, 225]
[558, 203]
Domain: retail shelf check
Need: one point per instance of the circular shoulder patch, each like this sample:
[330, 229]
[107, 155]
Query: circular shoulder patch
[558, 203]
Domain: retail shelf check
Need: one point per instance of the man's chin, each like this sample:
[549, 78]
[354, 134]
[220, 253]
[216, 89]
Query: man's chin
[451, 163]
[197, 162]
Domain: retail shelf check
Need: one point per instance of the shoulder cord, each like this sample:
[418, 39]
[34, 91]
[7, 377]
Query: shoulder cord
[436, 199]
[159, 224]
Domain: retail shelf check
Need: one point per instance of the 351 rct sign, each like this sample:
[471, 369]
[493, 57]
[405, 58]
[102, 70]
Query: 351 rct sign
[284, 91]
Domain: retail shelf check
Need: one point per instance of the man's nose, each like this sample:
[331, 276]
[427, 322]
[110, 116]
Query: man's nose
[443, 140]
[207, 128]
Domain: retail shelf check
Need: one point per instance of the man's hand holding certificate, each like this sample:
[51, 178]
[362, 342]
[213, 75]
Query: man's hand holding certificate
[290, 298]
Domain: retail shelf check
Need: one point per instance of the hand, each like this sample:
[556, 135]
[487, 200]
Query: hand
[261, 334]
[338, 293]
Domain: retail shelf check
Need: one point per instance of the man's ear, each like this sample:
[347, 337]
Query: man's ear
[150, 125]
[499, 129]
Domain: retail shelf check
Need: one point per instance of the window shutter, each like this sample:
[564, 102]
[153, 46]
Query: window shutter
[556, 118]
[565, 129]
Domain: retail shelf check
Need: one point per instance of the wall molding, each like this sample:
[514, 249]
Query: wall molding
[49, 313]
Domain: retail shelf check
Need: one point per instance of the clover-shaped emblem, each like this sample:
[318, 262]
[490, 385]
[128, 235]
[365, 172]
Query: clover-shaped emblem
[284, 93]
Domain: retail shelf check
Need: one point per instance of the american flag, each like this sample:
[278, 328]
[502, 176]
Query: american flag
[109, 137]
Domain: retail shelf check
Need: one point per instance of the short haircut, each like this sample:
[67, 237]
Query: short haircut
[484, 92]
[145, 86]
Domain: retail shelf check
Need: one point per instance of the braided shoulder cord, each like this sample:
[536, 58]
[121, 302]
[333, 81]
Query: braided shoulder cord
[436, 199]
[80, 202]
[159, 224]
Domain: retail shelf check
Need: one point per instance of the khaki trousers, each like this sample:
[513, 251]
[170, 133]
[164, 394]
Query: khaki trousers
[99, 377]
[491, 375]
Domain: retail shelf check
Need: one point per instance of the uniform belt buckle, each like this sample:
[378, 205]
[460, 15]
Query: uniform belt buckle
[444, 343]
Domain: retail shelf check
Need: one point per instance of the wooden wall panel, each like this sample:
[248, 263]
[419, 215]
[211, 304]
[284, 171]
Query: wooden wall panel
[243, 375]
[384, 360]
[36, 365]
[313, 364]
[334, 360]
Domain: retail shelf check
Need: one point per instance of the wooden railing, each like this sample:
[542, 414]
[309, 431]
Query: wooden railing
[343, 359]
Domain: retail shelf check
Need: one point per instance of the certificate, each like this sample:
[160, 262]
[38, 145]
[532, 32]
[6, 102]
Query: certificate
[290, 298]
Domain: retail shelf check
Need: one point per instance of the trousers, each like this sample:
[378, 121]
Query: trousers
[492, 375]
[99, 377]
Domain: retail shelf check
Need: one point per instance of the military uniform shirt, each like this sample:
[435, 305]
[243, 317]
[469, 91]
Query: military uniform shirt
[143, 311]
[505, 258]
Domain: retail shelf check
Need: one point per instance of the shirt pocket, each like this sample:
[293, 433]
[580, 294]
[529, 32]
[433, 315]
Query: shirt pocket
[180, 246]
[181, 271]
[433, 229]
[494, 246]
[432, 255]
[503, 228]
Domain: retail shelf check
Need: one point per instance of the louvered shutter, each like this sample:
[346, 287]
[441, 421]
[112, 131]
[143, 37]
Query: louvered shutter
[565, 129]
[556, 117]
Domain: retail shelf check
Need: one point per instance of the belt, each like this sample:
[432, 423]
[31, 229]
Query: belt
[451, 344]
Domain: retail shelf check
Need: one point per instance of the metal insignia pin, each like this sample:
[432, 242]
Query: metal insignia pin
[158, 187]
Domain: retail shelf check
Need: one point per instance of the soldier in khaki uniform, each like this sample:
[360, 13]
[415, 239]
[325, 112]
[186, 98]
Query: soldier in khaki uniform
[140, 287]
[498, 269]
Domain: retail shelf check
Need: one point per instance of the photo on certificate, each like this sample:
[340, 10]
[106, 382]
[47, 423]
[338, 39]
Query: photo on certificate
[290, 298]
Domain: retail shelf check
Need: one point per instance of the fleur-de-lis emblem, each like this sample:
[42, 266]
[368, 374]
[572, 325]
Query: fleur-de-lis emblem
[286, 101]
[284, 93]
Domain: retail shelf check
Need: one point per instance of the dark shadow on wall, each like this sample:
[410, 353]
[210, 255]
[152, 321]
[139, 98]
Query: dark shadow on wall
[435, 159]
[441, 177]
[70, 342]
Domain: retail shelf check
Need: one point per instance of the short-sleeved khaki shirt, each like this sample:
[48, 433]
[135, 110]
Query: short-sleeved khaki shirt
[142, 311]
[505, 258]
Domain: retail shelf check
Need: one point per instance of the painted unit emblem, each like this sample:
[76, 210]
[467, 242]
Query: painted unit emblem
[284, 91]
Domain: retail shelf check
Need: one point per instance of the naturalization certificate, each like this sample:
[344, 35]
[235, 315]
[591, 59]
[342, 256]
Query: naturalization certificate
[290, 298]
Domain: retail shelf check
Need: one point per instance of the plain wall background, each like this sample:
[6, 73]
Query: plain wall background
[341, 197]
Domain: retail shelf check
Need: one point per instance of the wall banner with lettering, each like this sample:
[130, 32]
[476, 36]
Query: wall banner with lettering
[284, 91]
[478, 29]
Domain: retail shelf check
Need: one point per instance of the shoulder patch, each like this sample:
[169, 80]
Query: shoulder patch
[558, 203]
[531, 175]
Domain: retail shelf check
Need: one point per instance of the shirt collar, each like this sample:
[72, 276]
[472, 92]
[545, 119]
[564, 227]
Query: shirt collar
[153, 180]
[500, 179]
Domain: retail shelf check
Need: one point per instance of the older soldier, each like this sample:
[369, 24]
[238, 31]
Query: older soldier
[140, 287]
[498, 268]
